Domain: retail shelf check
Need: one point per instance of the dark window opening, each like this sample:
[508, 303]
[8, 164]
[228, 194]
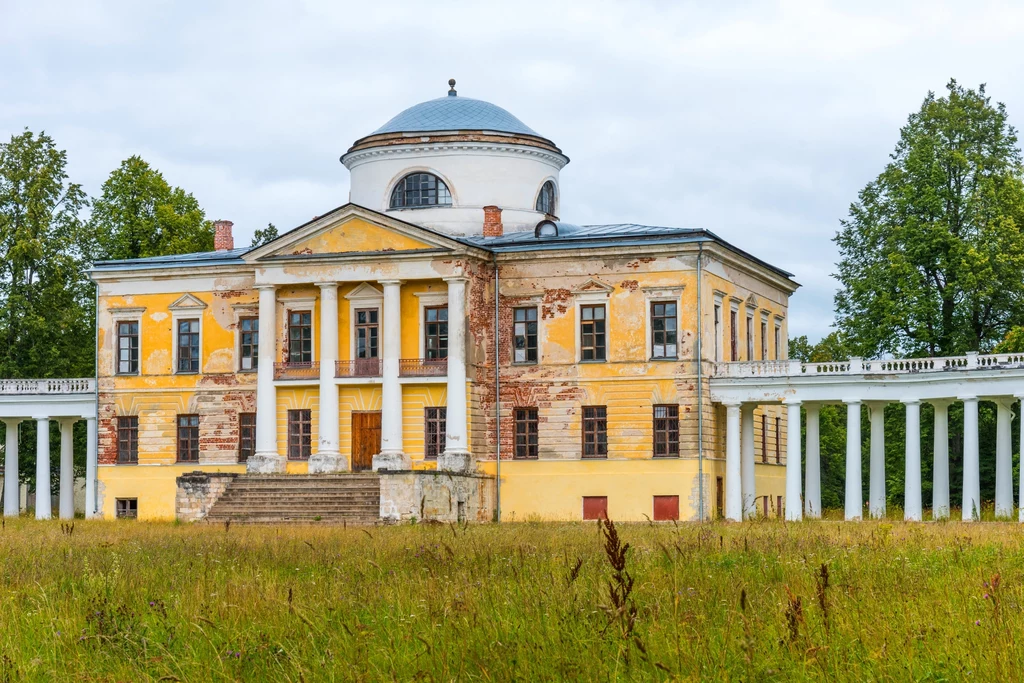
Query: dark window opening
[188, 438]
[249, 339]
[663, 329]
[420, 189]
[435, 332]
[300, 434]
[524, 335]
[546, 198]
[367, 332]
[246, 436]
[128, 439]
[734, 350]
[188, 346]
[300, 337]
[126, 508]
[666, 431]
[527, 439]
[778, 440]
[592, 332]
[127, 347]
[595, 432]
[435, 423]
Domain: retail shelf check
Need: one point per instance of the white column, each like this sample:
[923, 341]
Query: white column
[327, 458]
[1020, 484]
[854, 489]
[733, 468]
[266, 459]
[747, 460]
[66, 496]
[43, 506]
[912, 478]
[12, 494]
[812, 487]
[1004, 466]
[456, 454]
[876, 466]
[392, 453]
[971, 510]
[794, 508]
[940, 466]
[91, 450]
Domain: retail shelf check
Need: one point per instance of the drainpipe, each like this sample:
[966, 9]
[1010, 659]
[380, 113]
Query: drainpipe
[700, 385]
[497, 395]
[90, 505]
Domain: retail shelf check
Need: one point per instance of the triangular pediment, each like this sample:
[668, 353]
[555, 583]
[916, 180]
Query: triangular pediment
[187, 302]
[594, 286]
[365, 291]
[352, 230]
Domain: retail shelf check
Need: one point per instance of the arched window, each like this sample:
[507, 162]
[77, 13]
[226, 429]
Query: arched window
[546, 198]
[420, 189]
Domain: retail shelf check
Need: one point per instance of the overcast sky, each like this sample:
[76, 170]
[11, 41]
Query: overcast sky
[759, 121]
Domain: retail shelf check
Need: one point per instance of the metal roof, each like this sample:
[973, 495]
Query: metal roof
[202, 258]
[455, 113]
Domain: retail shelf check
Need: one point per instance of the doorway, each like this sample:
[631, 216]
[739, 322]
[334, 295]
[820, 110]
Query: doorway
[365, 439]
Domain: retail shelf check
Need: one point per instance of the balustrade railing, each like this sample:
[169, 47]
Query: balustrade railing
[858, 366]
[361, 367]
[423, 367]
[82, 385]
[297, 370]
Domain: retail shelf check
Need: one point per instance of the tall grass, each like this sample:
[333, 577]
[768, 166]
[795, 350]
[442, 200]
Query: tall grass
[107, 601]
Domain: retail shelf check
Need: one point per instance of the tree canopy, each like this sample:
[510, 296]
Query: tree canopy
[264, 235]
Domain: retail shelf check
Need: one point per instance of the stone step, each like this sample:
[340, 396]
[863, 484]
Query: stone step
[333, 509]
[349, 498]
[301, 495]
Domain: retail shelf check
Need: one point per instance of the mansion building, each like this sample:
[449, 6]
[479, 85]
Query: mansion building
[444, 320]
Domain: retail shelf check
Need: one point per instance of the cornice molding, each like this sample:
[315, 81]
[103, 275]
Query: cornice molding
[356, 158]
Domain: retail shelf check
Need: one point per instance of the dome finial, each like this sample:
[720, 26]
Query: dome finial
[451, 88]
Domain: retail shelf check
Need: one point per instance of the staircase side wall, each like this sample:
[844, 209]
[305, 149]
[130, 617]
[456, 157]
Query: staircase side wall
[198, 491]
[437, 496]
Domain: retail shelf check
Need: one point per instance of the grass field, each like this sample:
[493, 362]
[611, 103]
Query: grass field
[132, 601]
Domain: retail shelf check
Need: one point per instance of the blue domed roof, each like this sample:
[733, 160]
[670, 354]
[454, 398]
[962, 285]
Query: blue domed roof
[455, 113]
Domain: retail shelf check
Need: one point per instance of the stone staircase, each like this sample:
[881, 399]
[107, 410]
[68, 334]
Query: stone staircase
[300, 499]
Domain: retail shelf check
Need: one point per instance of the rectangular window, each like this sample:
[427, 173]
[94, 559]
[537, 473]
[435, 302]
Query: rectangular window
[666, 431]
[718, 333]
[246, 435]
[764, 505]
[666, 508]
[764, 438]
[127, 439]
[188, 346]
[764, 340]
[128, 347]
[188, 438]
[719, 497]
[126, 508]
[778, 506]
[526, 433]
[524, 335]
[249, 342]
[300, 434]
[595, 507]
[435, 422]
[778, 343]
[663, 329]
[435, 332]
[778, 440]
[300, 337]
[367, 333]
[595, 432]
[734, 349]
[750, 337]
[592, 332]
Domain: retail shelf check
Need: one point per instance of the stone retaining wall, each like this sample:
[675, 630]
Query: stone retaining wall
[198, 491]
[433, 495]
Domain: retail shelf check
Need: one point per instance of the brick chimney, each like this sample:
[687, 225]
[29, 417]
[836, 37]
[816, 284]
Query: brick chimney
[222, 239]
[492, 222]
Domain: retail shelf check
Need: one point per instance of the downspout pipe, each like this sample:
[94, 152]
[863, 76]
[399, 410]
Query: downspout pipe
[497, 395]
[700, 383]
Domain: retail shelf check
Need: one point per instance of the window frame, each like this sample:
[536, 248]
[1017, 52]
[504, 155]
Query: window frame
[246, 436]
[665, 430]
[526, 348]
[127, 427]
[441, 199]
[300, 434]
[368, 326]
[526, 434]
[426, 336]
[594, 421]
[553, 206]
[189, 441]
[253, 344]
[653, 303]
[734, 341]
[288, 330]
[123, 508]
[764, 338]
[750, 335]
[778, 440]
[594, 348]
[764, 437]
[718, 331]
[435, 431]
[137, 360]
[178, 347]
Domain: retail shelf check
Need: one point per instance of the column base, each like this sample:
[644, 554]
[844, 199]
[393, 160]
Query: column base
[456, 461]
[265, 463]
[327, 462]
[393, 461]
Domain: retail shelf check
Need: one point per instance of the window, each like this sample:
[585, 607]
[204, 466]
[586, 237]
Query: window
[188, 438]
[764, 505]
[666, 431]
[718, 333]
[778, 440]
[246, 436]
[300, 434]
[546, 198]
[126, 508]
[595, 432]
[778, 506]
[592, 332]
[524, 335]
[750, 337]
[595, 507]
[764, 438]
[300, 337]
[764, 340]
[719, 497]
[249, 340]
[435, 423]
[128, 347]
[367, 332]
[420, 189]
[778, 343]
[734, 350]
[526, 433]
[663, 329]
[127, 439]
[435, 332]
[188, 346]
[666, 508]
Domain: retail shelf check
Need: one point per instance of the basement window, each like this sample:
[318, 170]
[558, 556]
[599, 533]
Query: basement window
[126, 508]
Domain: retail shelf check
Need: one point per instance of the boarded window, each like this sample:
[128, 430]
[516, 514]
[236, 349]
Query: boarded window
[750, 337]
[764, 505]
[595, 507]
[764, 340]
[778, 440]
[720, 497]
[666, 431]
[664, 325]
[595, 432]
[718, 330]
[300, 337]
[593, 338]
[188, 438]
[300, 434]
[526, 433]
[764, 438]
[249, 343]
[367, 333]
[435, 422]
[524, 335]
[666, 508]
[246, 436]
[734, 349]
[127, 439]
[435, 332]
[127, 347]
[778, 509]
[188, 346]
[126, 508]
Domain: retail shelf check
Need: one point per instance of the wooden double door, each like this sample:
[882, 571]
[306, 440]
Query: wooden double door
[365, 439]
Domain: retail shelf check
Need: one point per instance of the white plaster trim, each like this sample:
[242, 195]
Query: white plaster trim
[187, 302]
[593, 289]
[365, 291]
[126, 310]
[417, 148]
[428, 299]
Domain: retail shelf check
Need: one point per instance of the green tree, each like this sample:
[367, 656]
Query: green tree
[139, 214]
[932, 252]
[264, 235]
[1013, 342]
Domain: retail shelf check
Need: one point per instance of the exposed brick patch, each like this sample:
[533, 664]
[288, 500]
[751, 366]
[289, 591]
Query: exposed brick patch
[629, 285]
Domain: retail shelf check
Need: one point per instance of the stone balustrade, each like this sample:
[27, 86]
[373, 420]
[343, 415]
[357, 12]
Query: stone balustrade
[859, 366]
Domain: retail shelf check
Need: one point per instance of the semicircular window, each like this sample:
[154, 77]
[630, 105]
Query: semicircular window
[420, 189]
[546, 198]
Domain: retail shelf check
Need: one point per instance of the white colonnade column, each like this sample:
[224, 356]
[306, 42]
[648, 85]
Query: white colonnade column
[876, 466]
[43, 505]
[733, 468]
[456, 455]
[266, 459]
[912, 482]
[794, 506]
[66, 496]
[940, 466]
[812, 486]
[327, 458]
[971, 510]
[1004, 465]
[747, 460]
[392, 453]
[1020, 484]
[12, 495]
[854, 488]
[91, 461]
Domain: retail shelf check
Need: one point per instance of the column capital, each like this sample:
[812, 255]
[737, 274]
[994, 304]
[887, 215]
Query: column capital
[748, 407]
[940, 402]
[62, 421]
[12, 421]
[389, 282]
[792, 402]
[852, 401]
[731, 403]
[1004, 401]
[910, 401]
[966, 399]
[263, 287]
[456, 278]
[40, 418]
[326, 285]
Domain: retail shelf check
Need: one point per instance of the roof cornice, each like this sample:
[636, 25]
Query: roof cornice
[418, 148]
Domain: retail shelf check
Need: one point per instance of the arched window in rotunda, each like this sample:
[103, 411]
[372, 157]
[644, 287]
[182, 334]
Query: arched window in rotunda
[546, 198]
[420, 189]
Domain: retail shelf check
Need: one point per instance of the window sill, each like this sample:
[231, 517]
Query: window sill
[253, 371]
[127, 463]
[655, 359]
[186, 462]
[524, 363]
[419, 208]
[187, 372]
[596, 360]
[126, 374]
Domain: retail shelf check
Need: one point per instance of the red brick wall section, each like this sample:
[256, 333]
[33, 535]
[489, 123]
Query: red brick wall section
[492, 222]
[106, 424]
[222, 239]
